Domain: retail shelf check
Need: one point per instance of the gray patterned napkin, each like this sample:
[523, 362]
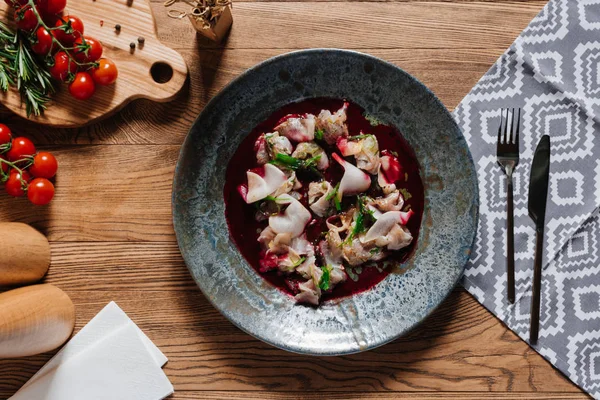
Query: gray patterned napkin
[552, 71]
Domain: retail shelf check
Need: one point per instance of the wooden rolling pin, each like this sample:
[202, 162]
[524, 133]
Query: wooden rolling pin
[34, 319]
[24, 254]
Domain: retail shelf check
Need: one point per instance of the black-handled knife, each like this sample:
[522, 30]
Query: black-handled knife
[538, 195]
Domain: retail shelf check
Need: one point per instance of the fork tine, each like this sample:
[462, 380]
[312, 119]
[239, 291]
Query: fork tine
[500, 128]
[518, 127]
[506, 127]
[512, 128]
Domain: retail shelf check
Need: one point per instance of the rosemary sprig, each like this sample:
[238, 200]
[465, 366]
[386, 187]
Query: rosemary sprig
[20, 68]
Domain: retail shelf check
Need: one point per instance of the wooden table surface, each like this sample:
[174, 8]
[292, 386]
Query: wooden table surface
[112, 237]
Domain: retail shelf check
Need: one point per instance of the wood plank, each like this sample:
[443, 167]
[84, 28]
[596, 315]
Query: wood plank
[449, 73]
[119, 193]
[461, 347]
[232, 395]
[408, 25]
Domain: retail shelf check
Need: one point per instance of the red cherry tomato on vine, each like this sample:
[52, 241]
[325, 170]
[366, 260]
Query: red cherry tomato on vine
[40, 191]
[63, 67]
[14, 185]
[26, 18]
[21, 147]
[106, 73]
[52, 6]
[5, 134]
[82, 87]
[87, 49]
[43, 42]
[44, 165]
[72, 28]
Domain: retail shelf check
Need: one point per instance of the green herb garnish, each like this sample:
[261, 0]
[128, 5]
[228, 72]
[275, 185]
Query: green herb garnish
[333, 195]
[299, 262]
[319, 134]
[364, 214]
[283, 160]
[325, 281]
[375, 250]
[359, 137]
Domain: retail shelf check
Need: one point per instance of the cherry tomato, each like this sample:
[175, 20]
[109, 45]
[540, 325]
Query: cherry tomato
[26, 18]
[52, 6]
[21, 147]
[72, 28]
[43, 42]
[5, 134]
[64, 67]
[40, 191]
[14, 186]
[87, 49]
[106, 73]
[44, 165]
[82, 87]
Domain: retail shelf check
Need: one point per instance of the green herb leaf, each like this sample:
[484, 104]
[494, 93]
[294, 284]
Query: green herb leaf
[283, 160]
[375, 250]
[333, 193]
[325, 281]
[359, 137]
[365, 217]
[299, 262]
[319, 134]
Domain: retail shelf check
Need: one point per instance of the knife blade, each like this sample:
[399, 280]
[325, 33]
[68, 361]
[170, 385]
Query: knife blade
[538, 196]
[538, 183]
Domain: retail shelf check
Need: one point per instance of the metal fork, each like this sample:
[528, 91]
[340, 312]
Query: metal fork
[507, 152]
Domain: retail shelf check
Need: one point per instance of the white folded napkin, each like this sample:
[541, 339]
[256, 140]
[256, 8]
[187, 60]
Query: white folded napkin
[110, 358]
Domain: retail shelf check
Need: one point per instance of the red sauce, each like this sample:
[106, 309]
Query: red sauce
[244, 229]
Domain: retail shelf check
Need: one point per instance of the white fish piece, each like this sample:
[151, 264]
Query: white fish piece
[348, 147]
[333, 258]
[309, 293]
[341, 222]
[302, 246]
[393, 201]
[332, 255]
[398, 238]
[368, 157]
[260, 187]
[292, 183]
[384, 225]
[365, 151]
[294, 218]
[304, 269]
[318, 193]
[298, 129]
[306, 150]
[354, 180]
[337, 275]
[333, 125]
[387, 186]
[268, 145]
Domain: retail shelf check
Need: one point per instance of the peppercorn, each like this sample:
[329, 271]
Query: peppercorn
[141, 40]
[118, 28]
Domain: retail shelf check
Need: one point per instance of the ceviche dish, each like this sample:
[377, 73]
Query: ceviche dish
[323, 200]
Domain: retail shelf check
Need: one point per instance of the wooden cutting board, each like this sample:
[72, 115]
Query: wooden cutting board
[138, 70]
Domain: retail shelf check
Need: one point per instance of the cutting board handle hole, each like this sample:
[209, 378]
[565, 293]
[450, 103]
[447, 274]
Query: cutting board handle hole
[161, 72]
